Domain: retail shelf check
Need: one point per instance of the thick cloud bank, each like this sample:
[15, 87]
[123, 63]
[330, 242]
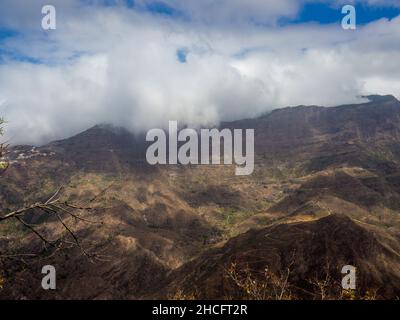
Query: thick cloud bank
[139, 69]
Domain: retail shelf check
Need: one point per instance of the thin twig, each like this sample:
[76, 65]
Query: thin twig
[31, 228]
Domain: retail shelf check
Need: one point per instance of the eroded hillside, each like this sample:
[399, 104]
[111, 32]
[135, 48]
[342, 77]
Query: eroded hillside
[325, 193]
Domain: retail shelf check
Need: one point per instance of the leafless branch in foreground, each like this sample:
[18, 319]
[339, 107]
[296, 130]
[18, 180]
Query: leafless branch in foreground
[53, 206]
[57, 208]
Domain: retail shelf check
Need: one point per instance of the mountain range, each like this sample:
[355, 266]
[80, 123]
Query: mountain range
[325, 193]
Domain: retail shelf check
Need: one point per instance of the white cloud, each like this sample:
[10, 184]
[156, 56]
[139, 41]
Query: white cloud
[233, 11]
[120, 66]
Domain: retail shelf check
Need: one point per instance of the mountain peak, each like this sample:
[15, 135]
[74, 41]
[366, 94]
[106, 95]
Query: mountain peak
[381, 98]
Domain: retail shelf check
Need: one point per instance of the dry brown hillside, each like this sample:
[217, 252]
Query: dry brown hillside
[325, 193]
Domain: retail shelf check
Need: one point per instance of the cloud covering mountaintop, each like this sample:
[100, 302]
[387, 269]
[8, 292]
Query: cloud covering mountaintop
[141, 63]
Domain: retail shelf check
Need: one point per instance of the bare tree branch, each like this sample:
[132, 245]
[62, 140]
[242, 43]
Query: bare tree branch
[52, 206]
[31, 228]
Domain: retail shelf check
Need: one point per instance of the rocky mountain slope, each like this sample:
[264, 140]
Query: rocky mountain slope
[304, 254]
[325, 193]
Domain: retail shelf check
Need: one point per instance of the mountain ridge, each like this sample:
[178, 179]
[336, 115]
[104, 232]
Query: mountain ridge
[314, 167]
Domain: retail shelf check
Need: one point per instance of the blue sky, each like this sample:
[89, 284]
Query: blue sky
[317, 12]
[310, 11]
[326, 14]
